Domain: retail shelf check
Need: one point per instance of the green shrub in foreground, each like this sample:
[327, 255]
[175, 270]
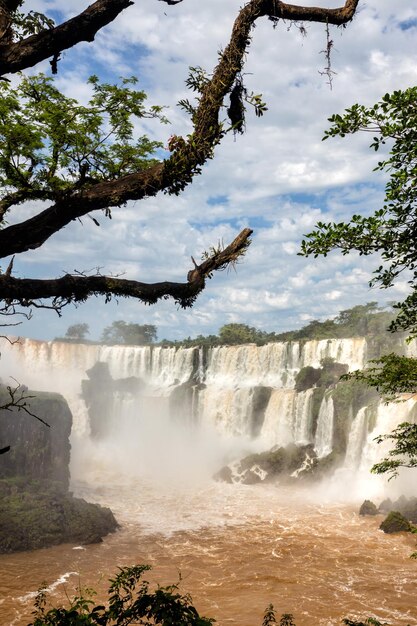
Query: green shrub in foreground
[131, 602]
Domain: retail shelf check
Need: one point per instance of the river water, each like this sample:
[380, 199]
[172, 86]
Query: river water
[237, 548]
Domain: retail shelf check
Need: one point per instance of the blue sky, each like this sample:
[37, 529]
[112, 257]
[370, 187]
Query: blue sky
[279, 178]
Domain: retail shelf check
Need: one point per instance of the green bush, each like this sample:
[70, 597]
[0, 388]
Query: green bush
[132, 602]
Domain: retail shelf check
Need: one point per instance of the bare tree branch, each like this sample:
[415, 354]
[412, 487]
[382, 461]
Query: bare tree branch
[49, 43]
[187, 158]
[76, 288]
[18, 400]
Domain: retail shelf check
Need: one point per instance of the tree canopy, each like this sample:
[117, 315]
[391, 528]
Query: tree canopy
[77, 332]
[121, 332]
[79, 160]
[391, 230]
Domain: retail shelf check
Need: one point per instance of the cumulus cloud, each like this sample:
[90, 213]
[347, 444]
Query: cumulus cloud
[279, 178]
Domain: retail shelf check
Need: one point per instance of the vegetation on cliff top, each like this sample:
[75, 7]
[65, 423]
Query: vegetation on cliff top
[368, 320]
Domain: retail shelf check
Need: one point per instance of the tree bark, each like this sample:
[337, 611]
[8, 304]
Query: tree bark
[15, 57]
[77, 288]
[188, 157]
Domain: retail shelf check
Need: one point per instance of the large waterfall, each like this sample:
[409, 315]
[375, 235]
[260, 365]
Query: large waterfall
[244, 395]
[152, 425]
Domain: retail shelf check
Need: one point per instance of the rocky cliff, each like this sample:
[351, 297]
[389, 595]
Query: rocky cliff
[36, 508]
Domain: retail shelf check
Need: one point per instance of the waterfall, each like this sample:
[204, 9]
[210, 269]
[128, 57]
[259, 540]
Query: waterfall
[237, 393]
[357, 437]
[278, 423]
[388, 416]
[324, 435]
[303, 424]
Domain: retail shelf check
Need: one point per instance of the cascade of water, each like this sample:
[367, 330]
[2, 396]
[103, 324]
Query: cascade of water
[388, 416]
[247, 391]
[303, 423]
[228, 410]
[278, 424]
[324, 435]
[357, 437]
[352, 352]
[249, 365]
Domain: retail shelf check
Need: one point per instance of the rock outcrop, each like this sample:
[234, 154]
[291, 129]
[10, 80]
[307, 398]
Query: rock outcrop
[37, 451]
[395, 522]
[368, 508]
[38, 513]
[98, 392]
[36, 508]
[287, 463]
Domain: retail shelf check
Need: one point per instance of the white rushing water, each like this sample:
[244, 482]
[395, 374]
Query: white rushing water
[238, 547]
[197, 411]
[325, 427]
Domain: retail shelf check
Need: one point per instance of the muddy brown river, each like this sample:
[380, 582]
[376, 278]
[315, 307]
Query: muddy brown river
[237, 549]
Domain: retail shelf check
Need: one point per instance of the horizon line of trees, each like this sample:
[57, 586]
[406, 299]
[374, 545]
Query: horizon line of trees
[362, 320]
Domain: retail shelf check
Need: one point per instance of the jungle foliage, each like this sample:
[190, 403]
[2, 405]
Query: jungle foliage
[367, 320]
[390, 231]
[128, 333]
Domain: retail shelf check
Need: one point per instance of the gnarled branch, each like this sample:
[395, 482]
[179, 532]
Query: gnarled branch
[49, 43]
[77, 288]
[176, 172]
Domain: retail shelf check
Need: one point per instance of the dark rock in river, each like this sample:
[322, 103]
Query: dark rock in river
[36, 509]
[405, 506]
[290, 463]
[395, 523]
[368, 508]
[385, 506]
[37, 514]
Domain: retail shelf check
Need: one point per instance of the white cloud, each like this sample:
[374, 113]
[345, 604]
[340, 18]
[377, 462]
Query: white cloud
[279, 177]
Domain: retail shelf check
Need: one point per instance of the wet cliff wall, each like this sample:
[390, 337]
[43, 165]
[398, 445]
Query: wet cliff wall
[36, 509]
[36, 451]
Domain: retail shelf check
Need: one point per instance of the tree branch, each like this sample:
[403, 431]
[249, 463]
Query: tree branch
[49, 43]
[76, 288]
[176, 172]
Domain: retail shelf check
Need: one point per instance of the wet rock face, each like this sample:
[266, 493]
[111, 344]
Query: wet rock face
[368, 508]
[37, 451]
[395, 522]
[38, 514]
[406, 506]
[289, 463]
[98, 392]
[36, 509]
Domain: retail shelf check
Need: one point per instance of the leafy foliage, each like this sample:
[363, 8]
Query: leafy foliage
[130, 602]
[391, 376]
[128, 333]
[50, 144]
[30, 23]
[362, 320]
[391, 229]
[404, 452]
[240, 333]
[77, 332]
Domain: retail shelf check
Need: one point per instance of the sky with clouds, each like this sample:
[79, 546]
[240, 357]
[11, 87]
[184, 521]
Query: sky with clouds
[279, 178]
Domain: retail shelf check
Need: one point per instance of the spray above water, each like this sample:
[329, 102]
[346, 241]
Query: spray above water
[183, 413]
